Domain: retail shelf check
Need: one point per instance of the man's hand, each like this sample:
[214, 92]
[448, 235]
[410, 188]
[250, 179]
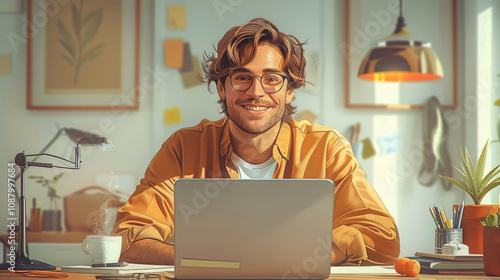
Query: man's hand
[149, 251]
[338, 257]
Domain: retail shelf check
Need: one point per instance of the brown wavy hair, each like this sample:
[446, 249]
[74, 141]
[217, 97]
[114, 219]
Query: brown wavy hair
[238, 40]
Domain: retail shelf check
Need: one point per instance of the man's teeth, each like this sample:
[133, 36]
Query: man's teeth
[255, 108]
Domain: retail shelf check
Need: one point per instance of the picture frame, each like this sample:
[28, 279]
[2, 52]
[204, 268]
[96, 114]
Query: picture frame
[82, 55]
[368, 21]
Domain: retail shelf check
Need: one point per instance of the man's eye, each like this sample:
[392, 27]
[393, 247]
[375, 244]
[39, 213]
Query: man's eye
[272, 78]
[242, 78]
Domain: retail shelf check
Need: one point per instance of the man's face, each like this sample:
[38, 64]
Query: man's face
[253, 110]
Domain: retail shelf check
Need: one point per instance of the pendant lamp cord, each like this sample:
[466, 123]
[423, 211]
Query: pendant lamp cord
[401, 19]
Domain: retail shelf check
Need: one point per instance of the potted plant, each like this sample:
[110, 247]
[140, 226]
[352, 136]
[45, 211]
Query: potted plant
[477, 186]
[51, 218]
[491, 243]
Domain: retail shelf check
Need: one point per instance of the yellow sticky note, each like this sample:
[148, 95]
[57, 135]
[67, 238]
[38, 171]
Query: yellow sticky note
[174, 53]
[307, 115]
[192, 78]
[368, 149]
[209, 263]
[172, 116]
[177, 17]
[5, 65]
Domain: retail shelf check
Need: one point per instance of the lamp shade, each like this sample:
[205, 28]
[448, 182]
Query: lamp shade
[400, 58]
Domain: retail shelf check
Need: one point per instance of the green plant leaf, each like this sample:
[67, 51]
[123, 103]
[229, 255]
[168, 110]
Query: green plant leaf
[458, 183]
[57, 176]
[89, 16]
[68, 49]
[91, 54]
[69, 43]
[67, 58]
[491, 186]
[492, 174]
[480, 164]
[497, 102]
[75, 19]
[469, 173]
[94, 25]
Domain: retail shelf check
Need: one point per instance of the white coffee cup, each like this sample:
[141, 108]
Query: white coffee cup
[102, 248]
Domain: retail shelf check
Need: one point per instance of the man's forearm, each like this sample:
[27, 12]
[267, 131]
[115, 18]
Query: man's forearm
[149, 251]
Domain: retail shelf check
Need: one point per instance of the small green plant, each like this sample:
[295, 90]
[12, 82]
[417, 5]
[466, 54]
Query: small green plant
[474, 183]
[50, 184]
[491, 220]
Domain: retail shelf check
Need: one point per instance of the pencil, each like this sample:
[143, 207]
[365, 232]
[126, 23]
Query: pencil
[433, 217]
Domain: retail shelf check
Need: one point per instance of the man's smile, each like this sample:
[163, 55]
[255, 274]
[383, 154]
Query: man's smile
[256, 107]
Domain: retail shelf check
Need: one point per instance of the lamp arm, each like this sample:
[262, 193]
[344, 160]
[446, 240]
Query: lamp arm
[49, 155]
[21, 160]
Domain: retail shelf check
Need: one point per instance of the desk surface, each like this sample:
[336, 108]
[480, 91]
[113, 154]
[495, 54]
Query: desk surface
[52, 236]
[339, 273]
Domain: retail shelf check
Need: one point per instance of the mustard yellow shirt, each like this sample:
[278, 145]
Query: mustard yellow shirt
[362, 227]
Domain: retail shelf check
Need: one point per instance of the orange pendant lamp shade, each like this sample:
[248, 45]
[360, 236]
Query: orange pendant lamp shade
[400, 58]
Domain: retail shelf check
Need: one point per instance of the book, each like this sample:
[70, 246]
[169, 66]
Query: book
[131, 268]
[457, 258]
[453, 271]
[434, 263]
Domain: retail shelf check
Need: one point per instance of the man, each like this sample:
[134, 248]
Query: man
[256, 70]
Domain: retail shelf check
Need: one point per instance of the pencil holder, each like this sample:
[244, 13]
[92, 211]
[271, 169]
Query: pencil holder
[447, 235]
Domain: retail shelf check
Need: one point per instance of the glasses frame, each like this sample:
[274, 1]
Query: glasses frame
[285, 77]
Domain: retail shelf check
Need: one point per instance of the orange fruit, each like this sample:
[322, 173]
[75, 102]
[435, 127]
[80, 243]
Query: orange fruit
[412, 268]
[400, 265]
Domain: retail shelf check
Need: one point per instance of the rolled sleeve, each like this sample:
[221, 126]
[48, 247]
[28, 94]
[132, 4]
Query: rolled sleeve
[363, 228]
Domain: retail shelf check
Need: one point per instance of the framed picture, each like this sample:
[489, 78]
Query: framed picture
[369, 21]
[83, 55]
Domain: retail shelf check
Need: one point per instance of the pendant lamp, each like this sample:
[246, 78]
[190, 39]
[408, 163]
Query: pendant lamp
[401, 58]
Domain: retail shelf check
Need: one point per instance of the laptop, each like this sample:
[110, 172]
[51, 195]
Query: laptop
[253, 229]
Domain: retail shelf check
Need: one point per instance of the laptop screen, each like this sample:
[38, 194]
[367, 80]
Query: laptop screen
[277, 228]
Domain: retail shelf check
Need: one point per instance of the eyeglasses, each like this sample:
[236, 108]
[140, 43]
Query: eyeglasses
[271, 83]
[141, 276]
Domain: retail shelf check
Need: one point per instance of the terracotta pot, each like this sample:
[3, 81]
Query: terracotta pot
[473, 230]
[491, 250]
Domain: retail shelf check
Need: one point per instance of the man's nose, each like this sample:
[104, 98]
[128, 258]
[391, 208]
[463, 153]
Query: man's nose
[256, 89]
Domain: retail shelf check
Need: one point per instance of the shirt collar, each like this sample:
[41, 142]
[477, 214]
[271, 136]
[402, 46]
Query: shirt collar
[225, 141]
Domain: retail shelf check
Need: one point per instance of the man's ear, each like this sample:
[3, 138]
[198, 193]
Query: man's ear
[220, 90]
[289, 95]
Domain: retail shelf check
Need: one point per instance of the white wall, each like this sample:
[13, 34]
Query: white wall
[138, 135]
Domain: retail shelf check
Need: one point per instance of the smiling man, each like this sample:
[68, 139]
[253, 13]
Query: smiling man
[256, 69]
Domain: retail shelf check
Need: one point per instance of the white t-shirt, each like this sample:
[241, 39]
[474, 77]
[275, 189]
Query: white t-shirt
[254, 171]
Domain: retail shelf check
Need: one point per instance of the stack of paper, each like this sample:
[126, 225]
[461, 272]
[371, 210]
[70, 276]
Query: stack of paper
[449, 264]
[131, 268]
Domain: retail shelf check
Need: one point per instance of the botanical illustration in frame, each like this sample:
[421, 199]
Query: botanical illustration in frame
[83, 55]
[370, 21]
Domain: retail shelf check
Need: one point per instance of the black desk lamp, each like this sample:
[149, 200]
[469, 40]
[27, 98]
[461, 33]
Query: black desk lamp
[22, 261]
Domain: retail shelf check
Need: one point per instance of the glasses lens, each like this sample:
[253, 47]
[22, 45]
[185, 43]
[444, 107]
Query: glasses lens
[272, 82]
[241, 81]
